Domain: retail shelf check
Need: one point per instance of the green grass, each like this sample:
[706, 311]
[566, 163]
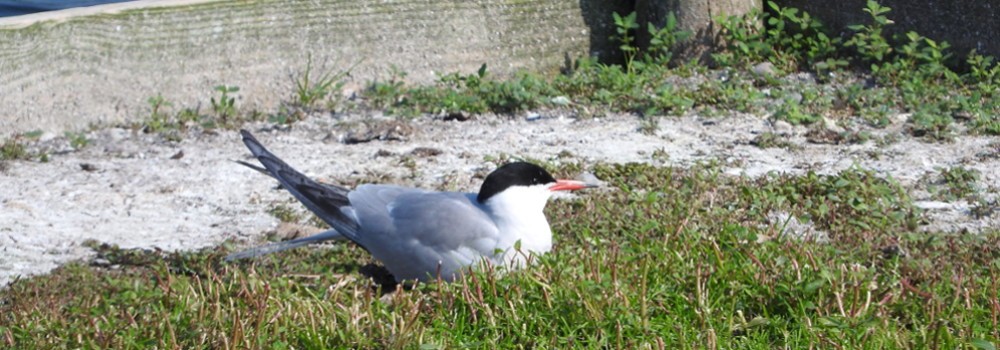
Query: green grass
[665, 258]
[15, 147]
[12, 149]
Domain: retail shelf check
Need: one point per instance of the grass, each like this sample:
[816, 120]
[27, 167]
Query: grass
[13, 149]
[665, 258]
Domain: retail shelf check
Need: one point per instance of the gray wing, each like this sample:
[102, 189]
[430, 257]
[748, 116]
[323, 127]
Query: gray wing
[416, 233]
[326, 201]
[444, 221]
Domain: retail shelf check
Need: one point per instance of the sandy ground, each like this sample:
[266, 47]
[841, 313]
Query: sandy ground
[137, 190]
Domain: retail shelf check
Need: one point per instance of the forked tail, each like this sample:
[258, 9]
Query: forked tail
[323, 200]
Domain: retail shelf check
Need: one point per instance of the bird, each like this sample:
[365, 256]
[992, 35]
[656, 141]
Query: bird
[423, 235]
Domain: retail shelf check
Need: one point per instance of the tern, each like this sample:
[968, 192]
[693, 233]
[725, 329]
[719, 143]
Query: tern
[420, 234]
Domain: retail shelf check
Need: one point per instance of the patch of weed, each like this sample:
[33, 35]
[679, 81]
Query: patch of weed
[910, 73]
[310, 89]
[13, 149]
[957, 182]
[77, 140]
[158, 119]
[225, 106]
[773, 140]
[284, 213]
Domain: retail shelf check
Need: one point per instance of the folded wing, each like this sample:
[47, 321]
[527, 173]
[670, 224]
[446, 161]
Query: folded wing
[418, 234]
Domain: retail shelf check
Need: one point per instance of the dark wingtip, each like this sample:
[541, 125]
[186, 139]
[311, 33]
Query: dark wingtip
[251, 142]
[260, 169]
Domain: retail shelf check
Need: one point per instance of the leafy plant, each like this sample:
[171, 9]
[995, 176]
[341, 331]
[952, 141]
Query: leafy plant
[624, 35]
[802, 39]
[390, 93]
[792, 111]
[869, 41]
[12, 149]
[649, 125]
[932, 123]
[662, 40]
[158, 120]
[959, 182]
[744, 39]
[225, 106]
[77, 140]
[284, 213]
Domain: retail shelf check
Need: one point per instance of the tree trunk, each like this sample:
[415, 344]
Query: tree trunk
[698, 17]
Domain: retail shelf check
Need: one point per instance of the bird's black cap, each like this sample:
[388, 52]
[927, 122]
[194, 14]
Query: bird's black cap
[513, 174]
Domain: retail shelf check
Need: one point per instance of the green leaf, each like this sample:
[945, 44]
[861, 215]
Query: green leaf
[33, 134]
[982, 344]
[814, 285]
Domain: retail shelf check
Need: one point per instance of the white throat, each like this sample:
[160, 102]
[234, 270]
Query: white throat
[518, 214]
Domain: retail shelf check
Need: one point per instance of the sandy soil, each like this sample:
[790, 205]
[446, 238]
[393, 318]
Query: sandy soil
[137, 190]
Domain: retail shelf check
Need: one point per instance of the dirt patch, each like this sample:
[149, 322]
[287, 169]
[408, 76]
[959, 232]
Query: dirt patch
[138, 190]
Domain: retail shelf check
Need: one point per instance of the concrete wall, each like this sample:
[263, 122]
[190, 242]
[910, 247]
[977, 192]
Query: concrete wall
[64, 71]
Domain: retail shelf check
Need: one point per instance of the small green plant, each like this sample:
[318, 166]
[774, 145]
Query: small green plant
[284, 213]
[225, 106]
[801, 39]
[662, 40]
[868, 40]
[744, 40]
[660, 155]
[670, 99]
[470, 93]
[982, 208]
[773, 140]
[13, 149]
[158, 119]
[77, 140]
[649, 125]
[310, 89]
[984, 73]
[792, 112]
[526, 91]
[625, 27]
[959, 182]
[932, 123]
[189, 115]
[388, 94]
